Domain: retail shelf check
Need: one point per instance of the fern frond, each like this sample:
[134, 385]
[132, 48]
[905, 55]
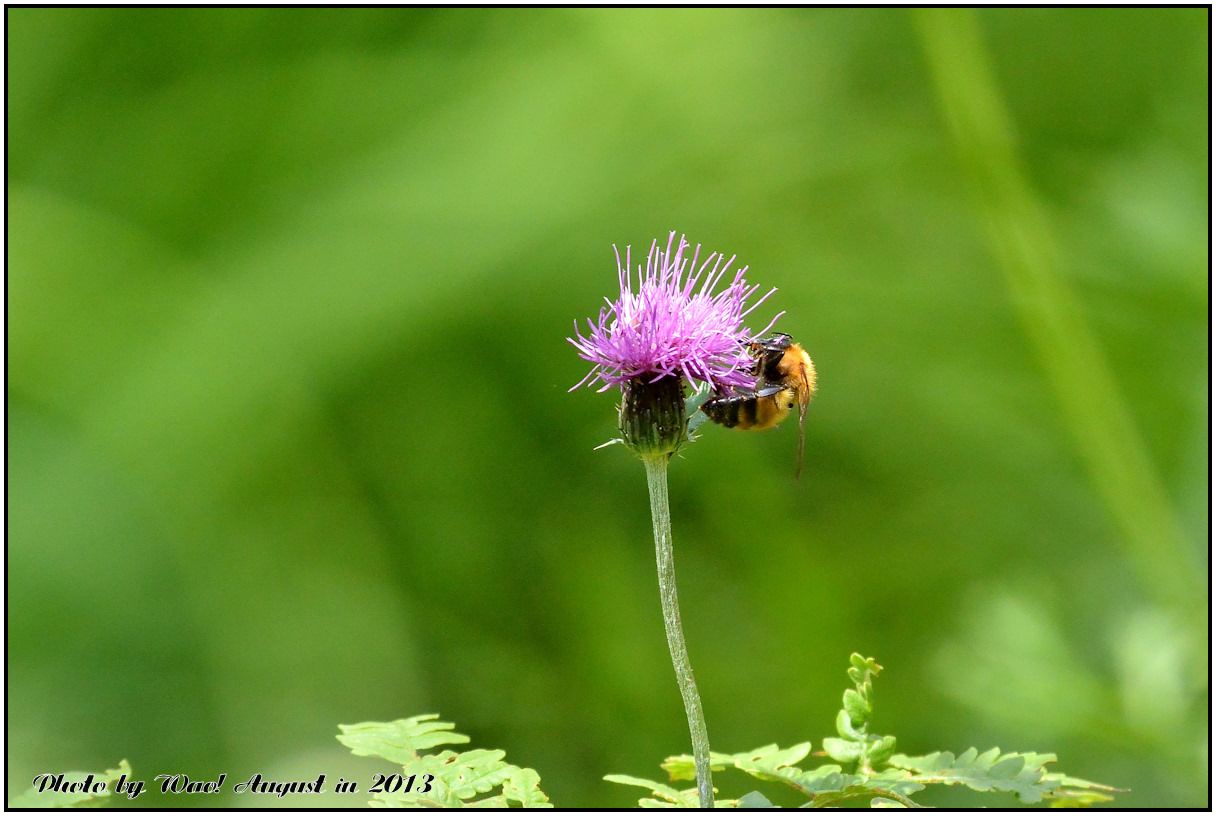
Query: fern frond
[769, 762]
[399, 741]
[1020, 774]
[668, 796]
[447, 779]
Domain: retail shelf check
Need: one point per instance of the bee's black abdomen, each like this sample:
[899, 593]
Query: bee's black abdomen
[734, 411]
[722, 410]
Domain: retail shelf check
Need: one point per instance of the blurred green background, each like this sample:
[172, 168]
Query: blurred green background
[289, 437]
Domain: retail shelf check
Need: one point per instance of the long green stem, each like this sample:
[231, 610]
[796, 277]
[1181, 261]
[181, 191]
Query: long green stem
[660, 513]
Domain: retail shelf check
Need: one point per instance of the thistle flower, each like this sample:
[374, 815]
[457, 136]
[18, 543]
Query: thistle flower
[671, 331]
[670, 326]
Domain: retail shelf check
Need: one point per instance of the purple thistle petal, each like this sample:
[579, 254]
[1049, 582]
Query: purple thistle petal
[671, 325]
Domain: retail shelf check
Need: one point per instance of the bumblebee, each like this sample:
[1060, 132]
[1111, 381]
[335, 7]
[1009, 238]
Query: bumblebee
[785, 377]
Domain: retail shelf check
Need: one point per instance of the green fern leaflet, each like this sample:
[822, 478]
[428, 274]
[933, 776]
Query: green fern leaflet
[447, 779]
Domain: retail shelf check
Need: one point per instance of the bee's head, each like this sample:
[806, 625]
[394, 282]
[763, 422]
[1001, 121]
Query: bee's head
[769, 350]
[777, 342]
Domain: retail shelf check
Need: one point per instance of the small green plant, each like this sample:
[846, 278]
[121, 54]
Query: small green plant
[862, 767]
[447, 779]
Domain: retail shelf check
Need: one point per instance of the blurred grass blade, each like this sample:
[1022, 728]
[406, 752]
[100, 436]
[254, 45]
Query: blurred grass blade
[1018, 229]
